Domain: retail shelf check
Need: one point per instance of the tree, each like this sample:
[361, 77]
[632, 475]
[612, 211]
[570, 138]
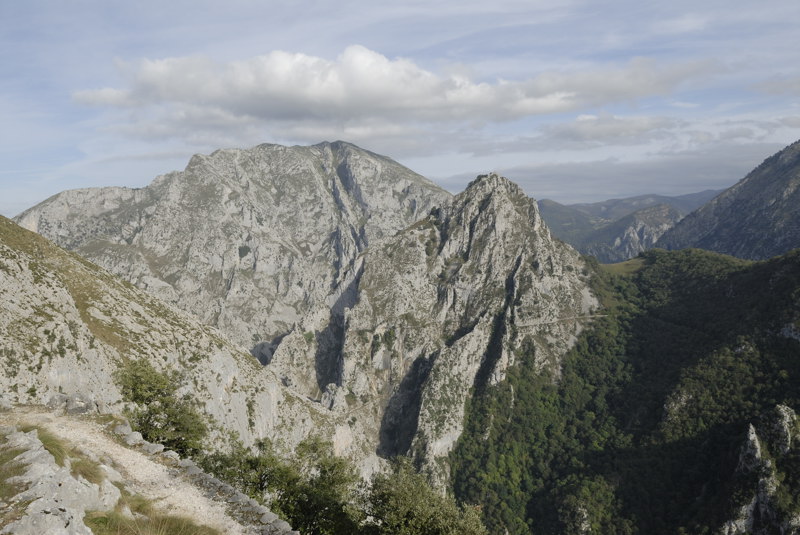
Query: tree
[402, 503]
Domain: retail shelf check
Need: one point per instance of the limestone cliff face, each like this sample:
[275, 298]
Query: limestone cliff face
[246, 240]
[438, 310]
[757, 218]
[66, 326]
[768, 453]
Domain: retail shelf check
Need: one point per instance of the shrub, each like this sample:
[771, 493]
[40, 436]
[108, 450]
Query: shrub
[402, 503]
[161, 416]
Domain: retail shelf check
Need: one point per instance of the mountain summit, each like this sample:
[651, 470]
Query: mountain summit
[439, 312]
[364, 287]
[246, 240]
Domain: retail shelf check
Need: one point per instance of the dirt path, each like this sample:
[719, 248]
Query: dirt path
[166, 487]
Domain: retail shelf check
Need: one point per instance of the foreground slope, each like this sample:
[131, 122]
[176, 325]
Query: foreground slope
[246, 240]
[67, 326]
[66, 473]
[757, 218]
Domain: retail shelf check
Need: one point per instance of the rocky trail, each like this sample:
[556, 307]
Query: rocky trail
[174, 487]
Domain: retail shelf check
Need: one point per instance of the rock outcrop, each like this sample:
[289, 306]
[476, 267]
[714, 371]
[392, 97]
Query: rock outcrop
[757, 218]
[766, 451]
[63, 473]
[56, 500]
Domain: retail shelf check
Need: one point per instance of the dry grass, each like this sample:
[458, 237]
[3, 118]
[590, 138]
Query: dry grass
[54, 445]
[9, 468]
[88, 470]
[136, 515]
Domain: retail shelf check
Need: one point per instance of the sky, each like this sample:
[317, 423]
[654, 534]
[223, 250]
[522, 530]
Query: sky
[577, 101]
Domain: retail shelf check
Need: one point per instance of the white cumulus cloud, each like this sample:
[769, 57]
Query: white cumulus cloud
[363, 85]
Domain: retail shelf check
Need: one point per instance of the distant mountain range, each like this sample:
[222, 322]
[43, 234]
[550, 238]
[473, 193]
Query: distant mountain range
[757, 218]
[619, 229]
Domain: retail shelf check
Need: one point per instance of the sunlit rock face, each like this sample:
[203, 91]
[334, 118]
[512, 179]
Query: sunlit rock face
[246, 240]
[443, 307]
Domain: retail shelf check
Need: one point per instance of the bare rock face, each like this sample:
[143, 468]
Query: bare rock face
[246, 240]
[66, 327]
[441, 308]
[377, 302]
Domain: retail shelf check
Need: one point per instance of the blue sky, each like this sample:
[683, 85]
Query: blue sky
[575, 100]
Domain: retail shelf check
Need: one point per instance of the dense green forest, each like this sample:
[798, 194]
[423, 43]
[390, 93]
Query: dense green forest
[642, 430]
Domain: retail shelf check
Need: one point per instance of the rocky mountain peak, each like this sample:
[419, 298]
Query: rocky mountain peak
[281, 223]
[496, 187]
[442, 307]
[357, 283]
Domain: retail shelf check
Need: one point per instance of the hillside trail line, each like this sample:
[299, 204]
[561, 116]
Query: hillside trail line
[168, 489]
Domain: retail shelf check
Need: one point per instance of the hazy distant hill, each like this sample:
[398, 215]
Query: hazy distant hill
[631, 234]
[757, 218]
[618, 229]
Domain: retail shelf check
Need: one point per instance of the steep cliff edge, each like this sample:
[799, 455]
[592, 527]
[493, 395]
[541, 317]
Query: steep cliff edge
[435, 312]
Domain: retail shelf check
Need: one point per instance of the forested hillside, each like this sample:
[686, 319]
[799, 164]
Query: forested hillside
[647, 427]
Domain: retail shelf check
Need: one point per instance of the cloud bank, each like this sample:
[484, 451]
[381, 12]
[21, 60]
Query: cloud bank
[365, 87]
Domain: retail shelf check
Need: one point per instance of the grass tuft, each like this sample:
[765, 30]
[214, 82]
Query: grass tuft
[9, 469]
[115, 523]
[88, 470]
[54, 445]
